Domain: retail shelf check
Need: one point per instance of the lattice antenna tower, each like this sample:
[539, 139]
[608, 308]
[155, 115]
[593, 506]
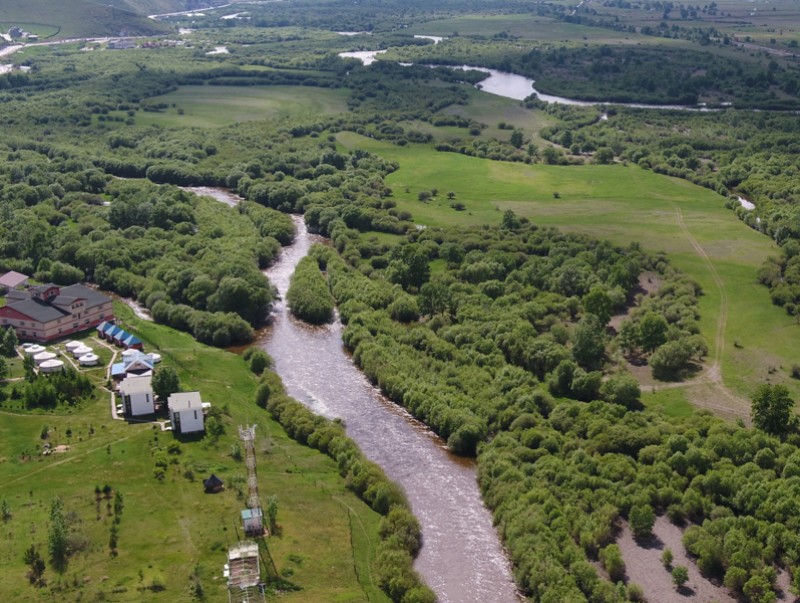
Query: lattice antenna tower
[248, 437]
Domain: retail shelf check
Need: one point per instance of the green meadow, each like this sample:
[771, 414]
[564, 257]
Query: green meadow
[215, 106]
[170, 530]
[752, 339]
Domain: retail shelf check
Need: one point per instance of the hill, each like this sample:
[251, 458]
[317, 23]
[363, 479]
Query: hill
[75, 18]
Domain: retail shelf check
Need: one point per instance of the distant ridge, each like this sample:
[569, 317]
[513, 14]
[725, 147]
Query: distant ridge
[82, 18]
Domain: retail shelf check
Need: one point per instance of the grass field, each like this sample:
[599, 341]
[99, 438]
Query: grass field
[215, 106]
[170, 529]
[623, 204]
[76, 18]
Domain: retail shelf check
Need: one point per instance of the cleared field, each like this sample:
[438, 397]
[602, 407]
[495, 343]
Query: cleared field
[749, 337]
[215, 106]
[170, 529]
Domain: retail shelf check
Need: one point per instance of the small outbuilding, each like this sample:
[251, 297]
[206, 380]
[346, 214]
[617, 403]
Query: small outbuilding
[71, 345]
[81, 351]
[51, 366]
[253, 522]
[43, 357]
[89, 360]
[213, 484]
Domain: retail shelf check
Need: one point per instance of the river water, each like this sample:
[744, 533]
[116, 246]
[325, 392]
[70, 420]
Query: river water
[461, 559]
[519, 87]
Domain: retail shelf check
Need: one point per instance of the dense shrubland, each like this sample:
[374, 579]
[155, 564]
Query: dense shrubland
[518, 309]
[511, 361]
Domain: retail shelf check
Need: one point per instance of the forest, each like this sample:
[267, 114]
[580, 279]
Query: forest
[535, 350]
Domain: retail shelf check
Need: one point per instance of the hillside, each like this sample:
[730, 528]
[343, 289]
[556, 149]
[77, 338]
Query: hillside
[76, 18]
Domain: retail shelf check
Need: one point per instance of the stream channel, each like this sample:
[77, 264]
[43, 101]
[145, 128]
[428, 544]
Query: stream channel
[461, 559]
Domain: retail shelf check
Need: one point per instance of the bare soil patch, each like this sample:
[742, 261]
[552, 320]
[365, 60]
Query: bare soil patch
[643, 567]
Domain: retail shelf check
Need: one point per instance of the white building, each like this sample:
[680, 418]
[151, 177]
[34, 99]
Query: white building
[137, 396]
[186, 412]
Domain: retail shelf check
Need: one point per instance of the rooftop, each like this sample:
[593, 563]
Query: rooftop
[12, 279]
[185, 401]
[136, 385]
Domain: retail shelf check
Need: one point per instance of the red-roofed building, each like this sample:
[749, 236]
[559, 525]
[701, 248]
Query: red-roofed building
[47, 312]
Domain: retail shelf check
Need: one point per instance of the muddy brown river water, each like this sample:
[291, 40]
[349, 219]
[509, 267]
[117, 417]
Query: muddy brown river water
[462, 559]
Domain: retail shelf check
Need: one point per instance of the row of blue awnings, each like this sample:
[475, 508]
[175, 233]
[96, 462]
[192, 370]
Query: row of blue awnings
[118, 335]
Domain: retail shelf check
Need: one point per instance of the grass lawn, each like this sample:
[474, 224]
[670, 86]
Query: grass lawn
[215, 106]
[622, 204]
[170, 528]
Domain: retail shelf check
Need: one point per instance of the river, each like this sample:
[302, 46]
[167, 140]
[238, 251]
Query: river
[519, 87]
[462, 559]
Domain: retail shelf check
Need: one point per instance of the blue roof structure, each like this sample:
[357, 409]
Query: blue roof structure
[131, 340]
[118, 369]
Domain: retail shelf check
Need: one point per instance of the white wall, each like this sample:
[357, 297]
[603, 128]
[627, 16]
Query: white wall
[190, 420]
[141, 404]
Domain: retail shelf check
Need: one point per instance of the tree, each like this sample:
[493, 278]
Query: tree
[652, 331]
[35, 563]
[434, 298]
[680, 575]
[5, 510]
[9, 343]
[772, 409]
[516, 139]
[57, 537]
[3, 369]
[166, 382]
[642, 519]
[622, 389]
[598, 302]
[589, 346]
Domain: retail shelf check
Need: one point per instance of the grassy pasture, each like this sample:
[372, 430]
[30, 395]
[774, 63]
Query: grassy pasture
[215, 106]
[76, 18]
[621, 204]
[169, 528]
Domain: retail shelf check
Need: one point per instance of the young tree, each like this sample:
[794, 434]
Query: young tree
[57, 537]
[680, 575]
[5, 510]
[35, 563]
[772, 409]
[166, 382]
[516, 139]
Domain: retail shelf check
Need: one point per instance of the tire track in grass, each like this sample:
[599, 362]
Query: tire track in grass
[713, 374]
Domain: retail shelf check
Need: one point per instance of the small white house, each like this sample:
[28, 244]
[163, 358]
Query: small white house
[137, 396]
[186, 412]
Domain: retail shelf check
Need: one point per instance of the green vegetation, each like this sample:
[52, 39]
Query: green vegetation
[309, 297]
[75, 18]
[518, 343]
[106, 540]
